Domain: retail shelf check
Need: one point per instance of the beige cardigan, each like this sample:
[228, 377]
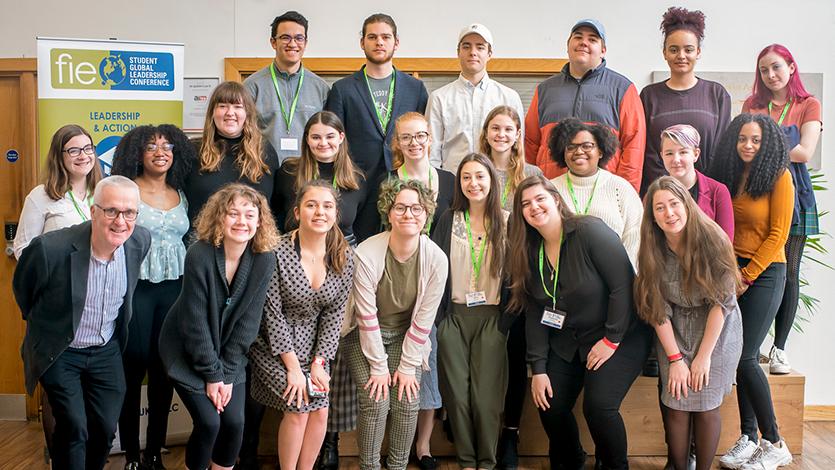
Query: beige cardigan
[361, 312]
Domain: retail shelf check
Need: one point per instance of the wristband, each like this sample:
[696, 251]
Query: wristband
[319, 361]
[676, 360]
[610, 344]
[674, 357]
[745, 280]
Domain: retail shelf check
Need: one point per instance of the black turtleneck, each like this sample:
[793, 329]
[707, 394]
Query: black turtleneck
[201, 186]
[358, 214]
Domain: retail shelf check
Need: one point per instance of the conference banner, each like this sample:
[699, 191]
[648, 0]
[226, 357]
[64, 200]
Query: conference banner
[108, 88]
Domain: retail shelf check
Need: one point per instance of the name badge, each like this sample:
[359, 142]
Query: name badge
[476, 298]
[553, 318]
[289, 144]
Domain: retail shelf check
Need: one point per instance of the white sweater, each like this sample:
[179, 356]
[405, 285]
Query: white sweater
[615, 202]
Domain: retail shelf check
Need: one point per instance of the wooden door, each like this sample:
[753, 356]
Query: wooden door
[18, 132]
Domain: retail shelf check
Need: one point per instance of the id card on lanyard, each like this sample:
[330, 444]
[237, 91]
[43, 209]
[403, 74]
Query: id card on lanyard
[288, 143]
[551, 316]
[478, 297]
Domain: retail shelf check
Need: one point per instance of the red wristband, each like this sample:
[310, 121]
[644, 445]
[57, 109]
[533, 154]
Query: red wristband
[674, 357]
[319, 361]
[745, 280]
[609, 343]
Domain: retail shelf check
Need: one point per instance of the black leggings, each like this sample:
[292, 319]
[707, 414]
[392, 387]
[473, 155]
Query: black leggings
[758, 306]
[605, 389]
[706, 429]
[151, 304]
[517, 384]
[788, 307]
[215, 437]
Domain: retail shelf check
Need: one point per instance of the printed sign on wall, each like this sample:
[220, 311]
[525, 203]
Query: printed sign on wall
[108, 88]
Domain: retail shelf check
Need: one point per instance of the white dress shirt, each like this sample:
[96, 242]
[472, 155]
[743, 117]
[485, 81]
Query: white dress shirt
[456, 114]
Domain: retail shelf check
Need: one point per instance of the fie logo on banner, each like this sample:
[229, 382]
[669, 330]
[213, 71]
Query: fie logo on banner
[83, 69]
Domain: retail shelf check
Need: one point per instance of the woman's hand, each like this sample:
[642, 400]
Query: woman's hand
[679, 379]
[409, 382]
[214, 394]
[540, 385]
[700, 372]
[296, 388]
[319, 377]
[380, 385]
[599, 354]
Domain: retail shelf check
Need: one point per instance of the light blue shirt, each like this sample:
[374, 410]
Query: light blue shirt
[107, 282]
[166, 257]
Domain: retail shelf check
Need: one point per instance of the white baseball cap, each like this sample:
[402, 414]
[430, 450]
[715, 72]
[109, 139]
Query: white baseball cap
[475, 28]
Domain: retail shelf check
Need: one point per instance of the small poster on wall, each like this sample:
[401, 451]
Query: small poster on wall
[196, 94]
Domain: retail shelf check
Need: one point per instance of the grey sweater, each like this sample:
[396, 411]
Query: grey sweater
[210, 327]
[271, 122]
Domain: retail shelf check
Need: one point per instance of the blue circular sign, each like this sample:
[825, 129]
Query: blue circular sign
[12, 155]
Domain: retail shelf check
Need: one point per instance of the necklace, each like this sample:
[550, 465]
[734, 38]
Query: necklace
[313, 258]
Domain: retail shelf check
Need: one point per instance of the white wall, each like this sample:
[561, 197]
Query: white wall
[736, 31]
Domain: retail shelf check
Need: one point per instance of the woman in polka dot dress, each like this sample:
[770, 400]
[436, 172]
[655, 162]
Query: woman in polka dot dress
[157, 158]
[301, 324]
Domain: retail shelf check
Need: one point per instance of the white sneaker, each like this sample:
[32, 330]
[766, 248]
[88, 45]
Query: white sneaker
[778, 362]
[739, 453]
[768, 456]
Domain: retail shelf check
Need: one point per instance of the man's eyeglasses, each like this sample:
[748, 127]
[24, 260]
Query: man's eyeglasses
[112, 213]
[76, 151]
[286, 38]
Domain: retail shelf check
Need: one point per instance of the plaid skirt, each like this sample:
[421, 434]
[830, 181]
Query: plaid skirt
[809, 224]
[344, 405]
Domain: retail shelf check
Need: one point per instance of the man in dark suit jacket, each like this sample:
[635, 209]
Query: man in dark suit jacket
[364, 101]
[74, 288]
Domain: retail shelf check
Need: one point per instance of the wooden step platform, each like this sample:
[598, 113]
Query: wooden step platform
[640, 414]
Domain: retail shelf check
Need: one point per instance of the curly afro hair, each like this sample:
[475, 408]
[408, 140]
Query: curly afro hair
[769, 163]
[127, 159]
[564, 131]
[676, 18]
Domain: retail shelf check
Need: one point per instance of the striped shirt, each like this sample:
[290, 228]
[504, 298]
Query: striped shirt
[107, 282]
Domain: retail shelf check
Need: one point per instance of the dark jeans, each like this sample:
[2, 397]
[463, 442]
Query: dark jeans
[216, 437]
[517, 384]
[758, 306]
[151, 303]
[86, 388]
[605, 389]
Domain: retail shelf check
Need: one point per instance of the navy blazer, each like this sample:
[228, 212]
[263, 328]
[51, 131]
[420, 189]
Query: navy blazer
[50, 287]
[351, 101]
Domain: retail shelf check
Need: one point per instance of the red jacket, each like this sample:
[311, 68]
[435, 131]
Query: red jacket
[602, 96]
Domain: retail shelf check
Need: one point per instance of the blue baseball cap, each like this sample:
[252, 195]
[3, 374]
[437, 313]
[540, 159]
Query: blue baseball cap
[594, 24]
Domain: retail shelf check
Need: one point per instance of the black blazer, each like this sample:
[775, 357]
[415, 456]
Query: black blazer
[50, 287]
[351, 101]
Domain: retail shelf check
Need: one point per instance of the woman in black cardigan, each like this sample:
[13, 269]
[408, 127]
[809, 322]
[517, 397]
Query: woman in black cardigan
[215, 319]
[572, 278]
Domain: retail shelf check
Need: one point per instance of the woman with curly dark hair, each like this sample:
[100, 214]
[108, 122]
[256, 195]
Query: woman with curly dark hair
[572, 279]
[589, 189]
[157, 158]
[684, 98]
[686, 289]
[779, 92]
[751, 161]
[231, 149]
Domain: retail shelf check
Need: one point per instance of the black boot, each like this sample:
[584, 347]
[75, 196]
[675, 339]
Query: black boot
[152, 462]
[508, 455]
[329, 455]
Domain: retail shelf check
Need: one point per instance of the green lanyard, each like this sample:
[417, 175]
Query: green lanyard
[83, 217]
[406, 177]
[785, 110]
[476, 263]
[506, 191]
[556, 274]
[385, 121]
[574, 197]
[316, 177]
[287, 119]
